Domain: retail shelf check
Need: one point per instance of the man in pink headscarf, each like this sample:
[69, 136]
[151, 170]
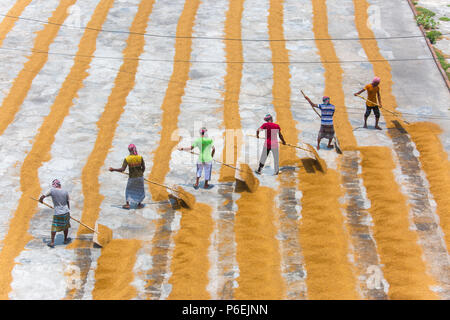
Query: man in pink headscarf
[61, 217]
[135, 191]
[374, 101]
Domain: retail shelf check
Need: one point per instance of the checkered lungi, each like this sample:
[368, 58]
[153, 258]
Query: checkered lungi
[326, 131]
[61, 222]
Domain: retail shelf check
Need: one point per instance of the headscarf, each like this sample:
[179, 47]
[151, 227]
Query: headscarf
[132, 149]
[376, 80]
[56, 183]
[325, 98]
[203, 130]
[268, 117]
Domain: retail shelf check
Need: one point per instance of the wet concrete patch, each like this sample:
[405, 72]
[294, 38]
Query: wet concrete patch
[289, 215]
[224, 244]
[423, 215]
[359, 221]
[160, 249]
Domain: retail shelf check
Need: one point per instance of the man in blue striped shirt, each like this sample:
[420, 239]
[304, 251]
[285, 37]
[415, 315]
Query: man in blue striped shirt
[326, 126]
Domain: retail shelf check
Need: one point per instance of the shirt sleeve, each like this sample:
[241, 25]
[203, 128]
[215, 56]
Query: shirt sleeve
[125, 163]
[367, 87]
[49, 192]
[263, 126]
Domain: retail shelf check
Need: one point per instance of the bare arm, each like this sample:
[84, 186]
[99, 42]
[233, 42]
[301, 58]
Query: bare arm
[213, 151]
[359, 92]
[281, 137]
[41, 198]
[309, 100]
[124, 166]
[379, 98]
[187, 149]
[258, 131]
[143, 165]
[68, 203]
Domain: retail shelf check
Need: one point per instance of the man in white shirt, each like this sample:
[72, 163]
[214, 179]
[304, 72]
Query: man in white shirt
[61, 217]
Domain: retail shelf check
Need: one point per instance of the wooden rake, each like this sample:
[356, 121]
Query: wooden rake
[391, 112]
[321, 163]
[187, 198]
[247, 176]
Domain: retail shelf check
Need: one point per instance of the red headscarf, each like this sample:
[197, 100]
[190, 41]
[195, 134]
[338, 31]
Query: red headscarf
[132, 149]
[56, 183]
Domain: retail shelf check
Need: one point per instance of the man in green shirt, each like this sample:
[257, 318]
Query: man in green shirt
[207, 150]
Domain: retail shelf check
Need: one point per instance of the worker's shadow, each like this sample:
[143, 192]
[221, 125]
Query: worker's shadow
[59, 240]
[310, 165]
[241, 186]
[399, 127]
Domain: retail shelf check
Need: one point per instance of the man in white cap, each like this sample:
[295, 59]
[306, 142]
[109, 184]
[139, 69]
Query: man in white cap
[61, 217]
[374, 101]
[326, 123]
[207, 150]
[271, 144]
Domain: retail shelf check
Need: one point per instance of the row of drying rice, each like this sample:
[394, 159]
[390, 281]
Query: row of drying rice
[79, 157]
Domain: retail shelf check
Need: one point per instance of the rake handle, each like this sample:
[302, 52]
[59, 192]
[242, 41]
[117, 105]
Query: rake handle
[287, 144]
[69, 216]
[216, 161]
[395, 114]
[83, 224]
[158, 184]
[311, 106]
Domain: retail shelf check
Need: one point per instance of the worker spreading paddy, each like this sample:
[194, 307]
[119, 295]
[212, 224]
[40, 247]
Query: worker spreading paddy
[204, 163]
[272, 131]
[61, 217]
[373, 102]
[134, 192]
[326, 122]
[154, 69]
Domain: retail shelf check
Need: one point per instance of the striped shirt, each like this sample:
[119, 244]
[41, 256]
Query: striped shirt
[327, 114]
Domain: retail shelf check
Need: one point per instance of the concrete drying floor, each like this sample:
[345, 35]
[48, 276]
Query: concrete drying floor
[80, 80]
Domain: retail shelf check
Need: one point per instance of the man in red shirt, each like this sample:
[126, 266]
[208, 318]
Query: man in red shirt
[271, 143]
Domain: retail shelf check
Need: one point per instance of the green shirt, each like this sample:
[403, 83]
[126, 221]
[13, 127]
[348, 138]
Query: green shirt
[204, 145]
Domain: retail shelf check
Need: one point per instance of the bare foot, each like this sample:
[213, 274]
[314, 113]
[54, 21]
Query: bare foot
[140, 206]
[378, 127]
[126, 206]
[365, 126]
[318, 147]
